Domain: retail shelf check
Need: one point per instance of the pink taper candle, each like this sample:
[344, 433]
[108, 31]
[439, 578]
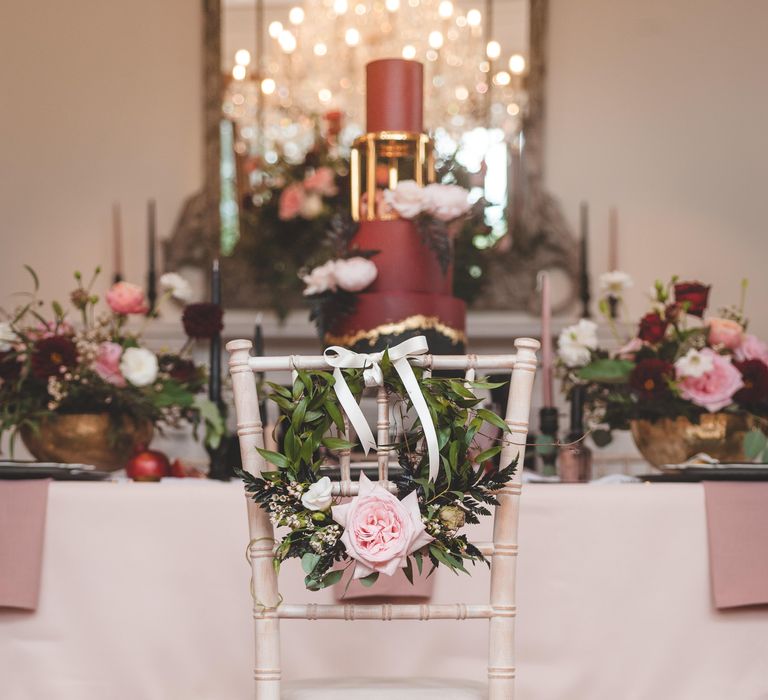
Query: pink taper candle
[613, 239]
[547, 395]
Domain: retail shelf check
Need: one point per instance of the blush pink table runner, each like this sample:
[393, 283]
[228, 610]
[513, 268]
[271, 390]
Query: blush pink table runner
[22, 529]
[737, 526]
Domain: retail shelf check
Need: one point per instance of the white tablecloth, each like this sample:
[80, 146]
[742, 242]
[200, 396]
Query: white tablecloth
[145, 597]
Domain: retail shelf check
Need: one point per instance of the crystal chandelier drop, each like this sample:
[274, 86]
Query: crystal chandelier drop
[311, 72]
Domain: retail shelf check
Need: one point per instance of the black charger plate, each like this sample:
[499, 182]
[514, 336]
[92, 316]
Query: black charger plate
[50, 470]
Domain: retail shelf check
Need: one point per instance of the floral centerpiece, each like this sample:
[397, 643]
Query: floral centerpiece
[681, 382]
[79, 384]
[379, 532]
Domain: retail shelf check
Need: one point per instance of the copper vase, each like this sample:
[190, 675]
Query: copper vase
[87, 438]
[675, 440]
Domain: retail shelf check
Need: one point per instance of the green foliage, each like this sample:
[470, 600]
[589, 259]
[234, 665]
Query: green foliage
[606, 371]
[461, 493]
[756, 445]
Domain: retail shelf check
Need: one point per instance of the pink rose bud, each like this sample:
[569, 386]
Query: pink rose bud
[126, 298]
[725, 332]
[291, 201]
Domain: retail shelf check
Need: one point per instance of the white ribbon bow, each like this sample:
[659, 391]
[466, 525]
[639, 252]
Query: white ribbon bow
[341, 358]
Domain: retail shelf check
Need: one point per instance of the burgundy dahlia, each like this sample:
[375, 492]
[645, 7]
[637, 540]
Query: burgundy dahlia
[650, 378]
[652, 328]
[49, 355]
[694, 294]
[203, 320]
[754, 374]
[179, 368]
[10, 369]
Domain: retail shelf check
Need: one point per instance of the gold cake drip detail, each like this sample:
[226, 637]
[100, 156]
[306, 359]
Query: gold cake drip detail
[418, 322]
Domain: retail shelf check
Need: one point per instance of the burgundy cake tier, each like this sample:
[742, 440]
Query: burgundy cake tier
[394, 95]
[404, 263]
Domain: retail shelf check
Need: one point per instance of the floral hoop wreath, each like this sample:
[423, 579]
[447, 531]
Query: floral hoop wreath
[379, 532]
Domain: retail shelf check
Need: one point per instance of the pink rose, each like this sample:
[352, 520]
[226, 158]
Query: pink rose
[320, 279]
[379, 530]
[712, 390]
[407, 199]
[446, 202]
[291, 199]
[355, 274]
[126, 298]
[107, 364]
[322, 181]
[752, 348]
[725, 332]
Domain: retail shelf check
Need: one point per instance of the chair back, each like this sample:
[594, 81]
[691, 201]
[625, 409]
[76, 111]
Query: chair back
[269, 608]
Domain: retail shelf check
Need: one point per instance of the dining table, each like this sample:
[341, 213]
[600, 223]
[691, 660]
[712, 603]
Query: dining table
[146, 595]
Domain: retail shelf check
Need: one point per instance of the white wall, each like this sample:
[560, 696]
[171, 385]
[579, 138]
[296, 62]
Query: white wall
[101, 101]
[660, 107]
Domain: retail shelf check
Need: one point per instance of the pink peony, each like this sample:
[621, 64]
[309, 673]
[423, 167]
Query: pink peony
[713, 390]
[752, 348]
[126, 298]
[291, 199]
[322, 181]
[107, 364]
[379, 530]
[320, 279]
[407, 199]
[446, 202]
[725, 332]
[355, 274]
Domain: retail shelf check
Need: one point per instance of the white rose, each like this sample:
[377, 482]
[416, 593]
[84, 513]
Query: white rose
[139, 366]
[575, 355]
[311, 206]
[446, 202]
[7, 337]
[319, 495]
[178, 287]
[694, 364]
[355, 274]
[407, 199]
[575, 343]
[320, 279]
[615, 283]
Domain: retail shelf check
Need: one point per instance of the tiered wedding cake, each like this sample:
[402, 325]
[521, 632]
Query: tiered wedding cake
[412, 292]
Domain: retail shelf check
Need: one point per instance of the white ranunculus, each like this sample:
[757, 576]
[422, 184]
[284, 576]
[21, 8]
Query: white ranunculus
[7, 337]
[407, 199]
[576, 342]
[446, 202]
[311, 206]
[615, 283]
[319, 495]
[179, 288]
[694, 364]
[139, 366]
[320, 279]
[355, 274]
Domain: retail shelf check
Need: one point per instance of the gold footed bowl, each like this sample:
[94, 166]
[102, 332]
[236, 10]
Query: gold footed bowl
[87, 438]
[675, 440]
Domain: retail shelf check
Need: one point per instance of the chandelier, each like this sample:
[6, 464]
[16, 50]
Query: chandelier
[311, 71]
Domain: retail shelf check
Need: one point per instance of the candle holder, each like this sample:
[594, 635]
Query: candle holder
[549, 427]
[574, 462]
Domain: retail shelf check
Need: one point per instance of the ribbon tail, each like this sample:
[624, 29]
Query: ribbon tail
[405, 371]
[353, 411]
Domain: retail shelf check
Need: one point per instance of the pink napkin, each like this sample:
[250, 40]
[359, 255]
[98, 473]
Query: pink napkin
[22, 528]
[737, 523]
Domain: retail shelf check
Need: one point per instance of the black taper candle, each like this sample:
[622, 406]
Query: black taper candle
[151, 253]
[585, 294]
[577, 411]
[549, 427]
[214, 380]
[258, 351]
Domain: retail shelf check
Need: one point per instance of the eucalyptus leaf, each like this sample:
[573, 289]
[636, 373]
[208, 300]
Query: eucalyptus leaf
[607, 371]
[309, 562]
[370, 579]
[755, 441]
